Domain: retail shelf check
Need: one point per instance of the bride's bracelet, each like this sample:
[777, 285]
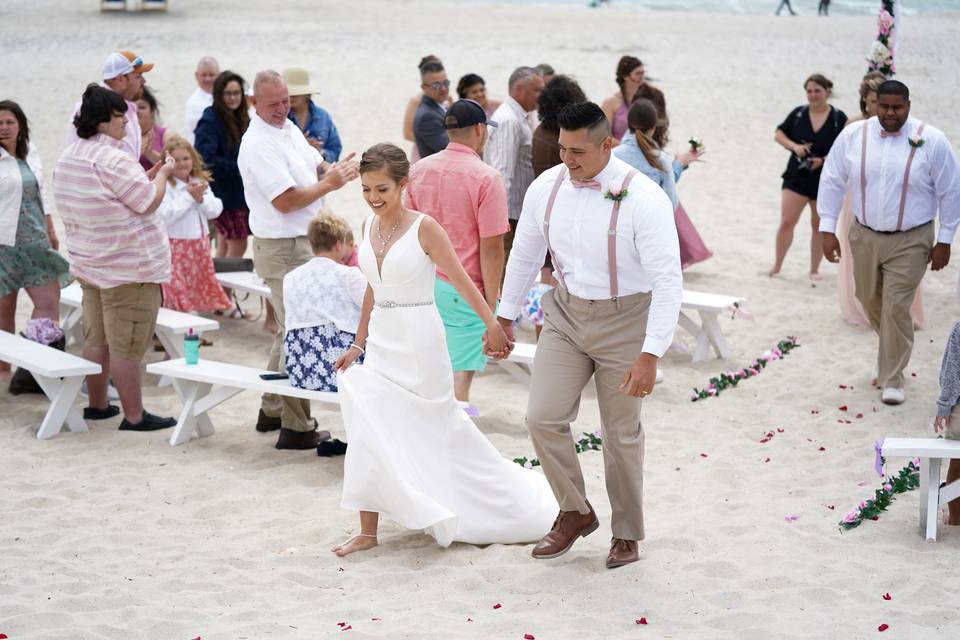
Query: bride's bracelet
[358, 347]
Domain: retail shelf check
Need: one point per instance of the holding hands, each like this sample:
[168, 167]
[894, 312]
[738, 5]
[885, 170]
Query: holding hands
[497, 344]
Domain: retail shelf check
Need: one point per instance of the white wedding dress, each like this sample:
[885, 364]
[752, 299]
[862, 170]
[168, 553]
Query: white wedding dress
[414, 456]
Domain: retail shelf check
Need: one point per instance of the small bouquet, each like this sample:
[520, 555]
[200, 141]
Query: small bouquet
[915, 141]
[696, 144]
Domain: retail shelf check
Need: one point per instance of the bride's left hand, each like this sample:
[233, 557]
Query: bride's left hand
[495, 342]
[348, 358]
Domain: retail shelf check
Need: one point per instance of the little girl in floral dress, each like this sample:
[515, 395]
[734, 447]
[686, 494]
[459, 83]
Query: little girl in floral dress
[187, 206]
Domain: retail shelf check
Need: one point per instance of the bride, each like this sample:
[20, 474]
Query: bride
[414, 456]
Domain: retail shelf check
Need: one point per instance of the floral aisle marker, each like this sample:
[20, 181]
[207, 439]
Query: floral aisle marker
[907, 479]
[732, 378]
[589, 442]
[884, 47]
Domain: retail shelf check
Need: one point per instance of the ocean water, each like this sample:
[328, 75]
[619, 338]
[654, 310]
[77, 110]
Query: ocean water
[802, 7]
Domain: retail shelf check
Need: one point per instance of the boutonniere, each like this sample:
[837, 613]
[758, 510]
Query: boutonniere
[695, 143]
[616, 195]
[915, 141]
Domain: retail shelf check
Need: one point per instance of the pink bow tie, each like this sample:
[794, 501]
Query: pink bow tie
[889, 134]
[585, 184]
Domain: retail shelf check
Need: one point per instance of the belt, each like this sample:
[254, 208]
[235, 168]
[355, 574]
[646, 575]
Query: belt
[886, 233]
[390, 304]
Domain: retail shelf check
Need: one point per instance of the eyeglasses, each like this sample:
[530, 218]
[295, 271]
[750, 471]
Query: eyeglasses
[232, 94]
[436, 86]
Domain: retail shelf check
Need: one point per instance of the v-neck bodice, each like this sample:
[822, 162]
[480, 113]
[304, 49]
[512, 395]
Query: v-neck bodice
[407, 273]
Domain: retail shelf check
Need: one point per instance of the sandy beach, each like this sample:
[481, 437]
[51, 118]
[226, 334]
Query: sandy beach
[117, 535]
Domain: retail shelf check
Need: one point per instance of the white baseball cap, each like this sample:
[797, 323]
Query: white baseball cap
[116, 65]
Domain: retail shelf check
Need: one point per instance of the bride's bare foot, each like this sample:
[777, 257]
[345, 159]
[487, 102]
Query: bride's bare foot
[773, 271]
[815, 276]
[359, 542]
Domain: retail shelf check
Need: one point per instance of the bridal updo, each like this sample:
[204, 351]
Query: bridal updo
[388, 158]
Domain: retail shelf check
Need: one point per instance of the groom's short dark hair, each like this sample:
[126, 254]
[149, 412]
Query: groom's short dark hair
[585, 115]
[893, 88]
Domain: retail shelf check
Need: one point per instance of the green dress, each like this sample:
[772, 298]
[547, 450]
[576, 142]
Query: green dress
[31, 262]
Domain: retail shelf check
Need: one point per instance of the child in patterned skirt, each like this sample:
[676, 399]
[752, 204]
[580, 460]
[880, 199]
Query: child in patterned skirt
[187, 206]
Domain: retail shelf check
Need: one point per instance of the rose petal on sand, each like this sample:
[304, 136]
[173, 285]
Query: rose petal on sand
[830, 506]
[703, 455]
[341, 624]
[642, 621]
[822, 449]
[842, 407]
[887, 596]
[497, 606]
[842, 386]
[767, 460]
[779, 430]
[376, 619]
[791, 518]
[883, 627]
[859, 416]
[469, 619]
[528, 636]
[346, 628]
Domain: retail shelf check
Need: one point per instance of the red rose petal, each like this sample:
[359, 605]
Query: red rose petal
[842, 386]
[779, 430]
[874, 518]
[887, 596]
[642, 621]
[497, 606]
[528, 636]
[3, 636]
[703, 455]
[341, 624]
[822, 449]
[346, 628]
[913, 375]
[376, 619]
[842, 407]
[469, 619]
[767, 460]
[830, 506]
[883, 627]
[859, 416]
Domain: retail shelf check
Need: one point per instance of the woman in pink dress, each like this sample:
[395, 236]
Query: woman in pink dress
[152, 135]
[850, 307]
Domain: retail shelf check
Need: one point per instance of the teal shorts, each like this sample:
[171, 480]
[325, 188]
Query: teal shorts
[464, 329]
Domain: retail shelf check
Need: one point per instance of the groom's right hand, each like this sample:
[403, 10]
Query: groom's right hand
[507, 326]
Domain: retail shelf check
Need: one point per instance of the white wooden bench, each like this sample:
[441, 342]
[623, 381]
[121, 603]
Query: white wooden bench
[707, 332]
[519, 363]
[207, 384]
[931, 452]
[171, 325]
[59, 374]
[245, 281]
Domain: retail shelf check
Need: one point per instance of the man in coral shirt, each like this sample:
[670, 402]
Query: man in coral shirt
[468, 198]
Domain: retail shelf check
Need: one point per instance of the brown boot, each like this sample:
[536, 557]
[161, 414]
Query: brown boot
[568, 526]
[290, 439]
[622, 552]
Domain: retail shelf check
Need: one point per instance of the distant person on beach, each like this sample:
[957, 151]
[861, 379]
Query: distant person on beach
[850, 307]
[785, 3]
[807, 133]
[632, 82]
[202, 97]
[467, 197]
[903, 172]
[117, 247]
[948, 406]
[510, 147]
[823, 9]
[122, 73]
[315, 123]
[428, 131]
[411, 110]
[279, 169]
[152, 135]
[472, 87]
[546, 72]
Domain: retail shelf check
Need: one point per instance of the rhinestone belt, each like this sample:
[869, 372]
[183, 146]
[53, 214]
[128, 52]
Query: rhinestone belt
[390, 304]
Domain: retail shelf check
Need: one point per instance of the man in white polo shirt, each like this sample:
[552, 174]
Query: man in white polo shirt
[284, 181]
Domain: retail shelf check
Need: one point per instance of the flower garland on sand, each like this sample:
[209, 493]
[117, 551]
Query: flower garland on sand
[907, 479]
[590, 442]
[732, 378]
[881, 56]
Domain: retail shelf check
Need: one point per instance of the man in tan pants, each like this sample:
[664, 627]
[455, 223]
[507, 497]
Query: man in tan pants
[899, 172]
[613, 241]
[284, 181]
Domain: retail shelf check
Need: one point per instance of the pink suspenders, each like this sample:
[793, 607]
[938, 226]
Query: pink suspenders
[863, 178]
[611, 231]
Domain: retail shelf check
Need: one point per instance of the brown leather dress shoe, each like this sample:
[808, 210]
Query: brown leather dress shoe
[568, 526]
[622, 552]
[290, 439]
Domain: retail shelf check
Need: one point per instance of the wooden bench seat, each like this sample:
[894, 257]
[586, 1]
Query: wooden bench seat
[207, 384]
[931, 452]
[58, 373]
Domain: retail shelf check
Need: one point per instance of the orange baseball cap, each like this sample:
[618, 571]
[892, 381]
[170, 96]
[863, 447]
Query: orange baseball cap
[139, 66]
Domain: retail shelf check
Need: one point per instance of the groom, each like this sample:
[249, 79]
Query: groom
[611, 234]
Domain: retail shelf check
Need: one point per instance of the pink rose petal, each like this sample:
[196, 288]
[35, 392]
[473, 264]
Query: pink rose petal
[528, 636]
[887, 596]
[497, 606]
[791, 518]
[883, 627]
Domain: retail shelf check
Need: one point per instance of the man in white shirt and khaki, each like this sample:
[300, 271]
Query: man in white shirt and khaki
[616, 256]
[900, 172]
[284, 180]
[202, 97]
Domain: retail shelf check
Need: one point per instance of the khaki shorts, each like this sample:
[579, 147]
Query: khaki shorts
[953, 428]
[122, 318]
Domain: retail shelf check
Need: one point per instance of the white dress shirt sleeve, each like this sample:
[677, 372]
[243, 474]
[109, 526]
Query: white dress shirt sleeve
[501, 151]
[211, 207]
[655, 237]
[834, 179]
[527, 254]
[946, 183]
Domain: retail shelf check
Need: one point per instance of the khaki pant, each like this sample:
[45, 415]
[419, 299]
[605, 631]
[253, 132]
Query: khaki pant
[887, 269]
[122, 318]
[581, 338]
[273, 258]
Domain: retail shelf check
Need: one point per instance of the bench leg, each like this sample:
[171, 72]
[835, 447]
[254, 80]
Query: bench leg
[174, 349]
[62, 393]
[189, 421]
[689, 325]
[929, 497]
[711, 326]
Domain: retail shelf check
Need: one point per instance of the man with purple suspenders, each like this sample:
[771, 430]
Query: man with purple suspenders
[902, 172]
[611, 234]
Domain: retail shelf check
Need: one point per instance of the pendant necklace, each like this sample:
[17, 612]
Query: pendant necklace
[383, 243]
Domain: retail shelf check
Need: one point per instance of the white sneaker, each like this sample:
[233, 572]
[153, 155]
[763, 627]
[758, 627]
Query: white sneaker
[659, 377]
[112, 393]
[893, 396]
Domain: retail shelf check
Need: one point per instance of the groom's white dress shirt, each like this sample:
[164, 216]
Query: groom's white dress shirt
[648, 253]
[876, 179]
